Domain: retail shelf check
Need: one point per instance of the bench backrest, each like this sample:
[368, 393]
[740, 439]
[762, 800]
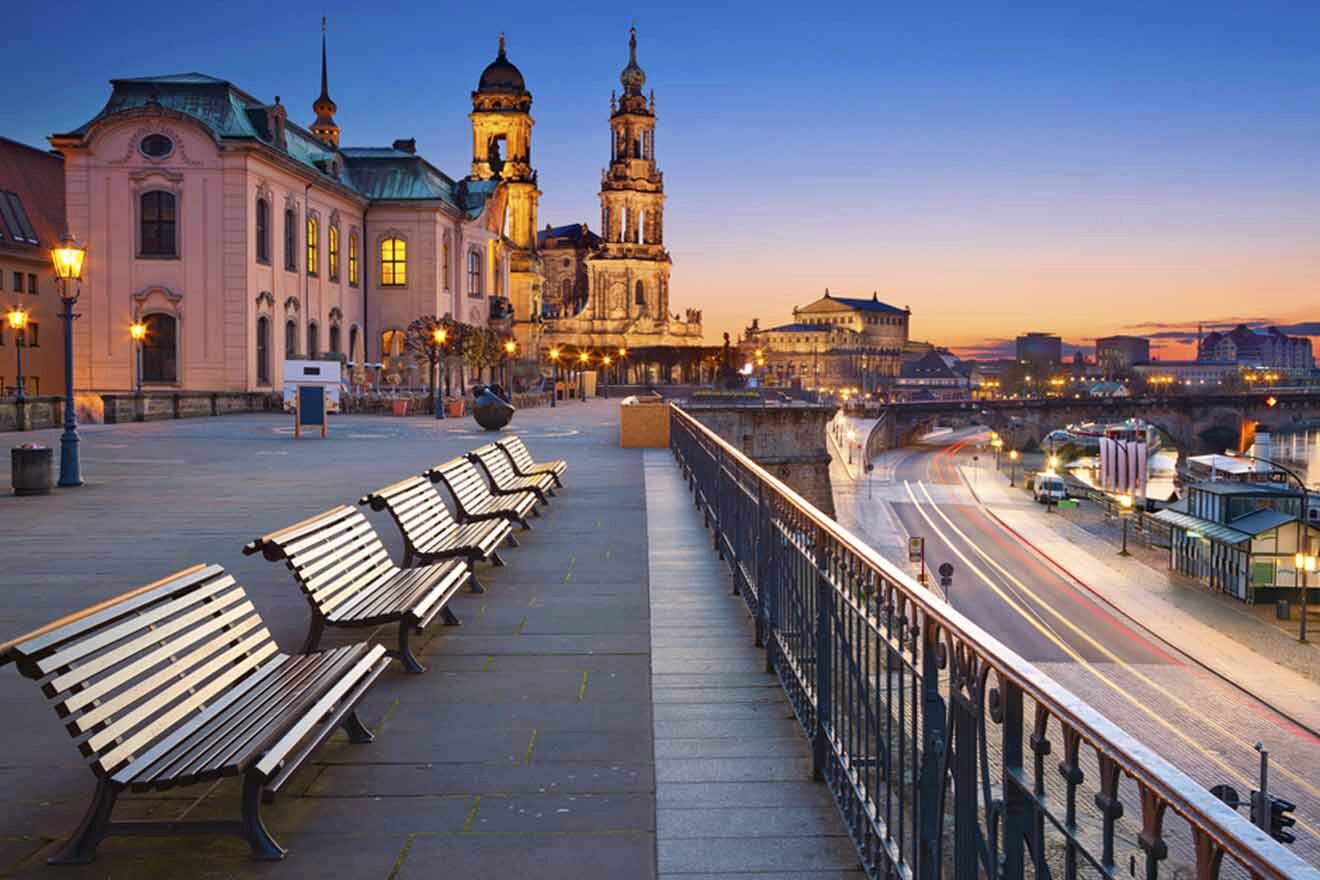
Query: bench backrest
[417, 509]
[496, 463]
[125, 673]
[334, 555]
[518, 451]
[465, 482]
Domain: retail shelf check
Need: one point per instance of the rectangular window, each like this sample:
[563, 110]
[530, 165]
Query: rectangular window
[353, 259]
[313, 246]
[18, 282]
[32, 335]
[32, 283]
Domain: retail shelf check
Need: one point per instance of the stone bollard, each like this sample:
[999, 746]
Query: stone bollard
[30, 469]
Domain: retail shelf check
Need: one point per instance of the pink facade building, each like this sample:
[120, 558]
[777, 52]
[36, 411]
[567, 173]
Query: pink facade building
[242, 238]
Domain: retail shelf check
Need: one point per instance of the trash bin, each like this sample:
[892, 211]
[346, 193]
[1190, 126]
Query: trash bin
[1282, 610]
[30, 466]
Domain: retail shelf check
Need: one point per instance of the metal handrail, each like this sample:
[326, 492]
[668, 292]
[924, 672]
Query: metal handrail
[1217, 829]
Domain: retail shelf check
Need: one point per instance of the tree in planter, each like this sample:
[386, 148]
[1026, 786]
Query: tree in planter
[419, 342]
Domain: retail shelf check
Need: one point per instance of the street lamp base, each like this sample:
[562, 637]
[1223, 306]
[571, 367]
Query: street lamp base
[70, 472]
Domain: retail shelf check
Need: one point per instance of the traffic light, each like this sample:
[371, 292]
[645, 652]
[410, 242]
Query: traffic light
[1280, 821]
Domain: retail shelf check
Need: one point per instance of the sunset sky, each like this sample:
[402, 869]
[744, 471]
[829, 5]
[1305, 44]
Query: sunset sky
[1117, 167]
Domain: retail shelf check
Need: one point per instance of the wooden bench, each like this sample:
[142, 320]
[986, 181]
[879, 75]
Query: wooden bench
[350, 581]
[504, 479]
[474, 499]
[429, 531]
[179, 682]
[525, 466]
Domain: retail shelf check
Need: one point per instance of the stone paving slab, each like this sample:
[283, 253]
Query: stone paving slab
[525, 750]
[734, 790]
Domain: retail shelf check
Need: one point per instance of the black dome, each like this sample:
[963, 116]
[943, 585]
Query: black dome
[501, 76]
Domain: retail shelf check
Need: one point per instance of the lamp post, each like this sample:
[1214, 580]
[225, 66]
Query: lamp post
[67, 257]
[622, 378]
[1124, 513]
[1012, 467]
[438, 338]
[554, 376]
[138, 331]
[1306, 563]
[510, 349]
[583, 360]
[605, 376]
[17, 319]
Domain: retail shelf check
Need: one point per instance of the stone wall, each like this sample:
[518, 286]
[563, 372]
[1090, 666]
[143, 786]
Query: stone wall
[32, 414]
[788, 441]
[151, 407]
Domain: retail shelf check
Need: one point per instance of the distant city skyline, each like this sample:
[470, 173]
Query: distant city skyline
[1123, 170]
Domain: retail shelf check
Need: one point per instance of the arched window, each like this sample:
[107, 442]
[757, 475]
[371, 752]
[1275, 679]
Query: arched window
[313, 245]
[352, 341]
[393, 262]
[566, 289]
[157, 215]
[352, 259]
[334, 339]
[263, 231]
[160, 355]
[313, 340]
[263, 350]
[334, 253]
[290, 240]
[391, 343]
[290, 339]
[639, 294]
[474, 273]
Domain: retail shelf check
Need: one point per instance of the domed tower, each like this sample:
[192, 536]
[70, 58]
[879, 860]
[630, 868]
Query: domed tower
[502, 150]
[631, 270]
[325, 128]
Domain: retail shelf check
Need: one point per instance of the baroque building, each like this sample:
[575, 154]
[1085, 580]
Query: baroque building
[612, 290]
[833, 342]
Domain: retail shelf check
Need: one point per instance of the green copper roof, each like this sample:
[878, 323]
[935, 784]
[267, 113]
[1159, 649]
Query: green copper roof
[229, 113]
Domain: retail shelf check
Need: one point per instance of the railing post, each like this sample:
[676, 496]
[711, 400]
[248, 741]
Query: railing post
[760, 547]
[1017, 822]
[933, 736]
[824, 648]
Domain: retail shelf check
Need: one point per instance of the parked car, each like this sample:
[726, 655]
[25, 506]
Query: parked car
[1049, 488]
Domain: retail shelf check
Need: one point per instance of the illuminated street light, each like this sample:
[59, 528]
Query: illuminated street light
[1306, 564]
[138, 331]
[67, 257]
[17, 319]
[1012, 471]
[439, 336]
[1124, 513]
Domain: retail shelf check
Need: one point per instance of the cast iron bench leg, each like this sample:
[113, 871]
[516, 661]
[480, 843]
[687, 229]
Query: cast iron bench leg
[496, 560]
[404, 653]
[264, 847]
[356, 730]
[513, 540]
[81, 847]
[475, 585]
[313, 634]
[450, 618]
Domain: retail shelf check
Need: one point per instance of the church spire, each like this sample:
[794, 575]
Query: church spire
[325, 126]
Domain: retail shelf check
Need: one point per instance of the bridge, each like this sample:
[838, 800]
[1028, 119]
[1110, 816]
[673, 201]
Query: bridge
[1194, 423]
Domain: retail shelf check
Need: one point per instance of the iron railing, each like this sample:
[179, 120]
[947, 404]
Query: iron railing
[934, 737]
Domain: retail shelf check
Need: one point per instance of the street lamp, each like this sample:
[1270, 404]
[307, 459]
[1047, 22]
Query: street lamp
[583, 360]
[439, 336]
[605, 361]
[554, 381]
[510, 349]
[67, 258]
[1124, 513]
[138, 331]
[18, 320]
[1306, 563]
[1012, 467]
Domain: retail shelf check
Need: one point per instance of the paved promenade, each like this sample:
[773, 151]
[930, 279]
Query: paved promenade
[533, 744]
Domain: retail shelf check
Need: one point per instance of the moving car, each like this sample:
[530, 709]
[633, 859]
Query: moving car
[1049, 488]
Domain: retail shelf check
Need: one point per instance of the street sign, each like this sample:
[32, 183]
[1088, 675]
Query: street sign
[310, 409]
[916, 549]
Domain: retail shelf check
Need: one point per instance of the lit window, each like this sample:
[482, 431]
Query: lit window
[352, 259]
[313, 245]
[334, 253]
[393, 262]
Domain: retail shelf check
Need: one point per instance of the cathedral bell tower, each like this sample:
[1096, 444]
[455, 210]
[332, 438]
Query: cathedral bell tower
[325, 128]
[502, 150]
[630, 272]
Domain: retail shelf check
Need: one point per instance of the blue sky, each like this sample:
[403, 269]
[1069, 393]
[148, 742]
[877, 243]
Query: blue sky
[997, 167]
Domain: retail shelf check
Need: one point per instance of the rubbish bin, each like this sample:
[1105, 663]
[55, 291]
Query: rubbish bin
[30, 466]
[1282, 610]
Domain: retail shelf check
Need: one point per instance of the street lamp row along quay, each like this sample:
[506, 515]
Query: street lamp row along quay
[67, 257]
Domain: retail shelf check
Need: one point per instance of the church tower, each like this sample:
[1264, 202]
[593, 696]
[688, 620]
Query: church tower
[630, 271]
[502, 150]
[325, 128]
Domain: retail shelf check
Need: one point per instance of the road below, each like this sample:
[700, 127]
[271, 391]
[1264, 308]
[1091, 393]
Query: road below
[1202, 724]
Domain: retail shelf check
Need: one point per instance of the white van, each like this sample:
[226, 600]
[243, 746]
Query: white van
[1049, 487]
